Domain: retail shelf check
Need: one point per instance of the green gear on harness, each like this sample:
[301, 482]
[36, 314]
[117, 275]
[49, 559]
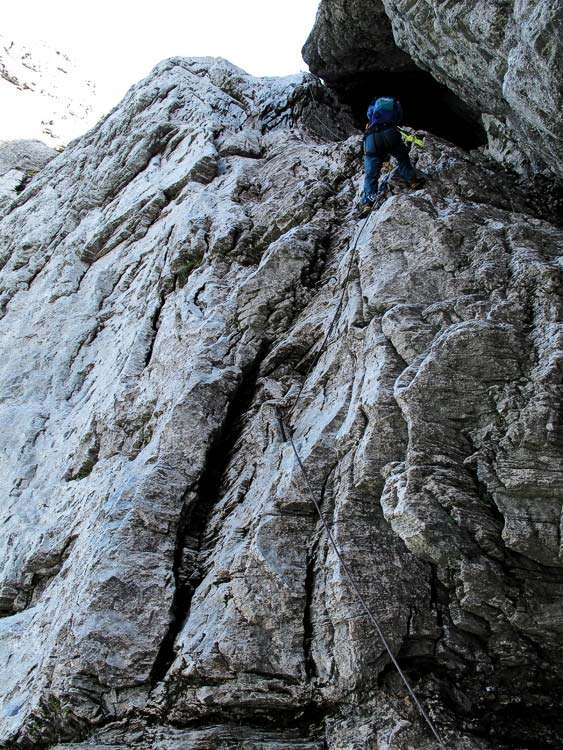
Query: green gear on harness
[409, 138]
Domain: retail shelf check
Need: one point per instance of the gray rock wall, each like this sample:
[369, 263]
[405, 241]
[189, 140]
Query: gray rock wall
[501, 58]
[19, 162]
[352, 37]
[165, 284]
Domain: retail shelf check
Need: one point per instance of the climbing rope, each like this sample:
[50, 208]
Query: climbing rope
[287, 434]
[335, 317]
[331, 131]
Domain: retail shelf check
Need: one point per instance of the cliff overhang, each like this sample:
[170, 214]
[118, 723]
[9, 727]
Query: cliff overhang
[475, 72]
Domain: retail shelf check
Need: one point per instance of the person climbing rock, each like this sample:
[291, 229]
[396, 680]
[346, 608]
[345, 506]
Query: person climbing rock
[382, 140]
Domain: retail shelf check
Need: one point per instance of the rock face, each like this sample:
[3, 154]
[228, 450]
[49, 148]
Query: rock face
[44, 96]
[352, 37]
[166, 583]
[19, 162]
[501, 58]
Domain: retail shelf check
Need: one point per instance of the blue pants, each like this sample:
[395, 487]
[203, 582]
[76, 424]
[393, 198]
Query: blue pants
[377, 149]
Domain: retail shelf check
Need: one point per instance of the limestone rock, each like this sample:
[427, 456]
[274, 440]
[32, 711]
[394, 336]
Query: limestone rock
[503, 59]
[165, 286]
[19, 162]
[352, 37]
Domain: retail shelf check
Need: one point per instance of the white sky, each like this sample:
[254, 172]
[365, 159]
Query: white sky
[117, 42]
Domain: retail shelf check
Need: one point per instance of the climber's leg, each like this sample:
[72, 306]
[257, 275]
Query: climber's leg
[398, 149]
[372, 163]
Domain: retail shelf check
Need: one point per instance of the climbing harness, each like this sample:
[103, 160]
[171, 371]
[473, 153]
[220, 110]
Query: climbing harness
[411, 138]
[287, 433]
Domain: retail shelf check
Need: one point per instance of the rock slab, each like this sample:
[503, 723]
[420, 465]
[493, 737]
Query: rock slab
[165, 286]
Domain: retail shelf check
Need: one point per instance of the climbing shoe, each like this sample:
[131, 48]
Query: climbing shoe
[397, 184]
[417, 182]
[364, 209]
[366, 204]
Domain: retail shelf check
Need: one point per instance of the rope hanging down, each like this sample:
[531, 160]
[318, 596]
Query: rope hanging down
[335, 318]
[373, 619]
[287, 433]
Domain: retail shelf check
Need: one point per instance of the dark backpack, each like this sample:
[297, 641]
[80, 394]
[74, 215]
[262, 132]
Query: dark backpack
[384, 111]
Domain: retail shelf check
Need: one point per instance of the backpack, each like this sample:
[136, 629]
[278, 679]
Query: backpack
[384, 111]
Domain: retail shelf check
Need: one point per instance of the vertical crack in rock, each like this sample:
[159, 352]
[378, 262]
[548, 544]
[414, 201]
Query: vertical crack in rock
[435, 601]
[154, 326]
[181, 600]
[194, 517]
[310, 580]
[308, 631]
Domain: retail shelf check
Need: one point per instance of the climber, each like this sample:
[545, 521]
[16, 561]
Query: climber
[382, 139]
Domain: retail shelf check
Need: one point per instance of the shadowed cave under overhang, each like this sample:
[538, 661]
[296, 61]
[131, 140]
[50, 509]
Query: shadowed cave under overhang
[358, 59]
[427, 104]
